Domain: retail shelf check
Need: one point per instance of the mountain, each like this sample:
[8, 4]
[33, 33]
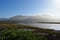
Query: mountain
[41, 18]
[4, 19]
[19, 17]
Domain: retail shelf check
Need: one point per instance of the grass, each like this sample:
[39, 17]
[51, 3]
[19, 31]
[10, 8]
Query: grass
[13, 31]
[20, 35]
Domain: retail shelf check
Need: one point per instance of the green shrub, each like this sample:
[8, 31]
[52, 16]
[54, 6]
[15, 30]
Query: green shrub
[18, 34]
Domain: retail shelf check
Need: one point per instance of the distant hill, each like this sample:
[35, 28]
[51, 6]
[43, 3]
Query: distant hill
[24, 19]
[4, 19]
[19, 17]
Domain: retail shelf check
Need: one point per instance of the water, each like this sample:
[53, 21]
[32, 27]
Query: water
[45, 26]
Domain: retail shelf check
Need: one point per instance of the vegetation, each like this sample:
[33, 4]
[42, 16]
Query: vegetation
[11, 31]
[20, 35]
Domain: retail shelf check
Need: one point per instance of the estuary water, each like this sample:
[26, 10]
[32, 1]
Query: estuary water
[44, 25]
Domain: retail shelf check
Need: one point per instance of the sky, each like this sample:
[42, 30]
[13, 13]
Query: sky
[9, 8]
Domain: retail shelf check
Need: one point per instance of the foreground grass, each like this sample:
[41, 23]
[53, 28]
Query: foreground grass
[13, 34]
[17, 32]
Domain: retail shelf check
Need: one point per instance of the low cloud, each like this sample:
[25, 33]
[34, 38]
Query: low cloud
[40, 18]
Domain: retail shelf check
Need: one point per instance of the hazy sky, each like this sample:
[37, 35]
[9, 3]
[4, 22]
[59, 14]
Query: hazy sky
[10, 8]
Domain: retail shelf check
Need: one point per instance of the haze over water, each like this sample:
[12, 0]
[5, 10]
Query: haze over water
[46, 26]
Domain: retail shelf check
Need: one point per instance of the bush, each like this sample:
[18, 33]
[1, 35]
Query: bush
[20, 34]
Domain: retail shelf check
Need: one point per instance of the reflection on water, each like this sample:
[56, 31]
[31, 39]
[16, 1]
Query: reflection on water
[46, 26]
